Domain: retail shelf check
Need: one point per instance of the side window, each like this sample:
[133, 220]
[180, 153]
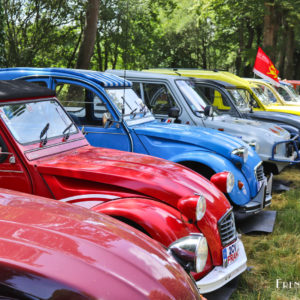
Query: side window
[136, 86]
[40, 83]
[3, 150]
[84, 106]
[158, 98]
[218, 100]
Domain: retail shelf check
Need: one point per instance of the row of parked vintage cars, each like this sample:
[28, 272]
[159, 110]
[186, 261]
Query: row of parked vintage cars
[208, 159]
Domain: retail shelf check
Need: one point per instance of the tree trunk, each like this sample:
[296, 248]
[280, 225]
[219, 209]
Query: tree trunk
[269, 28]
[238, 61]
[89, 35]
[290, 48]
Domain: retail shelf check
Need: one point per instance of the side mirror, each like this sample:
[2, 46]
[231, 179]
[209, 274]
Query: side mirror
[174, 112]
[208, 111]
[106, 120]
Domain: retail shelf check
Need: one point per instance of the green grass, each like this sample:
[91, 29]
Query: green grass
[276, 255]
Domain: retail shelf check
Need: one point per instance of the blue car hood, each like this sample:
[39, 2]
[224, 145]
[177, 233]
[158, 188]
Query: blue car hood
[170, 140]
[196, 137]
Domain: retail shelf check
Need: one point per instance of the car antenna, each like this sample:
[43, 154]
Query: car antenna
[125, 57]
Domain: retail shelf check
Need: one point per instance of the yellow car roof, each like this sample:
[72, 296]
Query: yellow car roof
[215, 75]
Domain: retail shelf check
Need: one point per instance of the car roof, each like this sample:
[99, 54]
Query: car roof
[144, 74]
[18, 89]
[101, 78]
[219, 83]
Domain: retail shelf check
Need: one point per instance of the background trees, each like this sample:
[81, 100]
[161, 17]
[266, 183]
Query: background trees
[101, 34]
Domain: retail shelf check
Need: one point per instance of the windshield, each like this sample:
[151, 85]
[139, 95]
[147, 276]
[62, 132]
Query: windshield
[135, 111]
[285, 94]
[292, 90]
[193, 95]
[268, 93]
[26, 121]
[258, 91]
[242, 99]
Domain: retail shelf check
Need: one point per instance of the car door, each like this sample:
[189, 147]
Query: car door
[92, 114]
[13, 174]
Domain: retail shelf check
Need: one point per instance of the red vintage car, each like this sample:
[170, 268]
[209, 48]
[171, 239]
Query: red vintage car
[52, 250]
[44, 153]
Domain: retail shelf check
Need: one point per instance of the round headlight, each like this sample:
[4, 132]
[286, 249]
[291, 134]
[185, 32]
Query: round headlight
[224, 181]
[200, 208]
[191, 252]
[201, 254]
[229, 182]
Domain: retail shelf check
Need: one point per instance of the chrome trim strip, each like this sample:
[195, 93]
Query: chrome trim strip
[78, 197]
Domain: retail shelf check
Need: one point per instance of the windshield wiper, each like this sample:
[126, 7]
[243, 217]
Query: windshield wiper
[66, 132]
[143, 110]
[133, 113]
[44, 132]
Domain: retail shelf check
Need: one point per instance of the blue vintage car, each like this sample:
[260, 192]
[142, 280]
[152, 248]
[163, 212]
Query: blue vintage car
[112, 116]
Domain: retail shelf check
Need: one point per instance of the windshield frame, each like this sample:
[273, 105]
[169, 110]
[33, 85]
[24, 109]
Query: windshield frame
[35, 101]
[139, 117]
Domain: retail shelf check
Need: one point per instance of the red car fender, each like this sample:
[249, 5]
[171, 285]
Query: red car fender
[162, 222]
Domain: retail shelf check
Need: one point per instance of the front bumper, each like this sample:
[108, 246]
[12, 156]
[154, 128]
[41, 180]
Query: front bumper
[220, 276]
[260, 201]
[294, 157]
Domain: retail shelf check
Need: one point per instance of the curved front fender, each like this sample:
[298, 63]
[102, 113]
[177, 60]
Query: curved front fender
[219, 164]
[164, 223]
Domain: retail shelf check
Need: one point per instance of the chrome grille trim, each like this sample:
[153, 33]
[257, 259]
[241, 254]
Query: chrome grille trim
[259, 172]
[227, 229]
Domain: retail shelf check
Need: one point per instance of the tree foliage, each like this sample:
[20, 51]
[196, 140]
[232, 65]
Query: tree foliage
[136, 34]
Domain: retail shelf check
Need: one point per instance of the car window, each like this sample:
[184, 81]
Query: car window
[3, 150]
[158, 98]
[83, 105]
[136, 86]
[217, 99]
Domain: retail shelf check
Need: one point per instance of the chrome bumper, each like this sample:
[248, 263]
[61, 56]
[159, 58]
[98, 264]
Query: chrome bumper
[261, 200]
[220, 276]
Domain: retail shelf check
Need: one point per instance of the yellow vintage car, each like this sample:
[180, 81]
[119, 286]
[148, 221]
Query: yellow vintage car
[250, 91]
[271, 92]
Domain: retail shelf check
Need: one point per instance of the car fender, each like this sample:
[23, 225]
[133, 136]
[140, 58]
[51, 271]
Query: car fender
[218, 164]
[162, 222]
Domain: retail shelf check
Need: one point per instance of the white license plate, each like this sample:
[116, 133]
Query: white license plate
[230, 254]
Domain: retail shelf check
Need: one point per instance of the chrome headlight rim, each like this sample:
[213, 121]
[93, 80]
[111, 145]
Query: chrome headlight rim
[190, 252]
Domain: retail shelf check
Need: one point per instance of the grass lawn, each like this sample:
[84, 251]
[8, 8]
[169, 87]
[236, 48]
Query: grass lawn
[275, 256]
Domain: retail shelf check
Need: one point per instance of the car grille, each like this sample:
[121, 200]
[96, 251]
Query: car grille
[227, 228]
[259, 172]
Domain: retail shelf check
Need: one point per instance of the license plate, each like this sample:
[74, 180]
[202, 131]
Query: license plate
[230, 254]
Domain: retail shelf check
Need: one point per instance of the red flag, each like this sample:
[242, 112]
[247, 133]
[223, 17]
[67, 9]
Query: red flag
[264, 68]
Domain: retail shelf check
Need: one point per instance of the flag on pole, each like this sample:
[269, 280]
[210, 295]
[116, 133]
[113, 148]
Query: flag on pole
[264, 68]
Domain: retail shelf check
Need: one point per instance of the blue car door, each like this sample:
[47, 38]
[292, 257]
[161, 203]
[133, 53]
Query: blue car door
[92, 114]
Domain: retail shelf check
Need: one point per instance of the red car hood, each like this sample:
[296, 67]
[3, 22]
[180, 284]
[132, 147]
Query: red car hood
[127, 174]
[87, 251]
